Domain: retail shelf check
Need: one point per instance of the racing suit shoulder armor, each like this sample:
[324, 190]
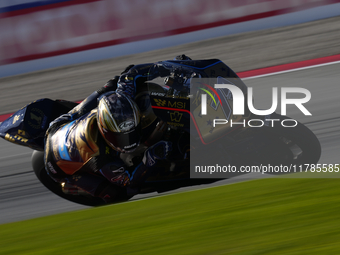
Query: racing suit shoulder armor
[73, 144]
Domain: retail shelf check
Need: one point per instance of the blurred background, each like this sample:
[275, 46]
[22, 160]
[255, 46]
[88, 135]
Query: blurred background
[89, 41]
[66, 49]
[111, 34]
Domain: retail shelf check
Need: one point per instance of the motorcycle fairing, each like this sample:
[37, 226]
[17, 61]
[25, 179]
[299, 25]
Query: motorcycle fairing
[174, 111]
[27, 126]
[75, 143]
[180, 106]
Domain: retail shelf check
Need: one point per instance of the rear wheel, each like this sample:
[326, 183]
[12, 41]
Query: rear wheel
[295, 145]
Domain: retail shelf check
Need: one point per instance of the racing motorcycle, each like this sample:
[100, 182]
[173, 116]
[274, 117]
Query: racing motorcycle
[176, 93]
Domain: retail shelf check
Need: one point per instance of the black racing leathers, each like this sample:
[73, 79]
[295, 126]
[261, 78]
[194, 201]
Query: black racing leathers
[76, 154]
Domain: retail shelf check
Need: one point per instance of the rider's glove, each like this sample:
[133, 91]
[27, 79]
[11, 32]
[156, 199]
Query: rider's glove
[110, 85]
[158, 151]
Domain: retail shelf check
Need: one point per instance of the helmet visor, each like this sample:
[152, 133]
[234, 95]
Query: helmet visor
[125, 141]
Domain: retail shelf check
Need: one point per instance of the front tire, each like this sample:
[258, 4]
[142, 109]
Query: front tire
[39, 170]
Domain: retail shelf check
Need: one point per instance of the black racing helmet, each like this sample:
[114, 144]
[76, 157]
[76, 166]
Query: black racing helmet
[118, 118]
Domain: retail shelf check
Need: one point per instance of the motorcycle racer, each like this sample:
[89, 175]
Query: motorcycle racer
[91, 151]
[86, 148]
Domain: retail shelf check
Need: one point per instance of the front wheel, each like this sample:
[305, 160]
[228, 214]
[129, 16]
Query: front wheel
[39, 170]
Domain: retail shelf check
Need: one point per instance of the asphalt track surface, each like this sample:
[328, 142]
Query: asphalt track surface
[23, 197]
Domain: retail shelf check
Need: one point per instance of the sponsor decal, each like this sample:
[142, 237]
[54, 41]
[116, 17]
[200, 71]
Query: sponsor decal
[157, 94]
[35, 119]
[51, 168]
[16, 118]
[176, 116]
[55, 149]
[175, 124]
[165, 103]
[21, 132]
[179, 105]
[15, 138]
[120, 178]
[126, 125]
[119, 170]
[160, 102]
[130, 146]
